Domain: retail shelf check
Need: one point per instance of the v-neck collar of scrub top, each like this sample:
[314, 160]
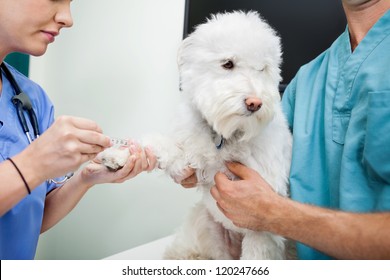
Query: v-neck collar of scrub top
[350, 63]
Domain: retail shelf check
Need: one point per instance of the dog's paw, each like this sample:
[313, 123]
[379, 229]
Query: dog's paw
[114, 158]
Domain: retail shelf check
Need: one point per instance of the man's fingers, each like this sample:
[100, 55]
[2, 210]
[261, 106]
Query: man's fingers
[220, 179]
[240, 170]
[189, 182]
[215, 193]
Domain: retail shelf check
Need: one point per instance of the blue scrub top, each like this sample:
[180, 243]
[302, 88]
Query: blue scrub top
[20, 227]
[338, 108]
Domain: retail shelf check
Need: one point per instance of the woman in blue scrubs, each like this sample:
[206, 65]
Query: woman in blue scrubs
[338, 108]
[29, 202]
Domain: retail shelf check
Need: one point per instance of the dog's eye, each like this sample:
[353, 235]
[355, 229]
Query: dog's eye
[228, 65]
[261, 69]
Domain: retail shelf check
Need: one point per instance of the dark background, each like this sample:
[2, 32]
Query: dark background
[306, 27]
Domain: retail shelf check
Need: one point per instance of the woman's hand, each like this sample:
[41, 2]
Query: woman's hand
[64, 147]
[140, 159]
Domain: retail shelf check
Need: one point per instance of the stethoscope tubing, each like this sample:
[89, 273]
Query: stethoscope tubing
[23, 103]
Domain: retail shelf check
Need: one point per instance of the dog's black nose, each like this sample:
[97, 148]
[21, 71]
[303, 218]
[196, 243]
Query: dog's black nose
[253, 104]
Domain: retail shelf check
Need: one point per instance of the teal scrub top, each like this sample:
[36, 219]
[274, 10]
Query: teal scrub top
[338, 108]
[20, 227]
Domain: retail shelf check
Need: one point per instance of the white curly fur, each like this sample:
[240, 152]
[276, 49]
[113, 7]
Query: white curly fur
[213, 106]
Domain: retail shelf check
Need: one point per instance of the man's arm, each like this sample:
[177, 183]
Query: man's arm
[252, 204]
[339, 234]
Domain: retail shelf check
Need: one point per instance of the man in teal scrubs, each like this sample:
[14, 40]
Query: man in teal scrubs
[338, 108]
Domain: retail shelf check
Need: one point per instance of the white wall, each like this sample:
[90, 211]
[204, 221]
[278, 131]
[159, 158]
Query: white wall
[117, 66]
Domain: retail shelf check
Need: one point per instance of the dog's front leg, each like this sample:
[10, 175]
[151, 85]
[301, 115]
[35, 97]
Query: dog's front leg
[169, 154]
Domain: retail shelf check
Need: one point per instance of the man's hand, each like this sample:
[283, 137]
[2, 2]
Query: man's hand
[246, 202]
[188, 180]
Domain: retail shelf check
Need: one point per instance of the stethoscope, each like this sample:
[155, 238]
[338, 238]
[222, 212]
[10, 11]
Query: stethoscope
[23, 103]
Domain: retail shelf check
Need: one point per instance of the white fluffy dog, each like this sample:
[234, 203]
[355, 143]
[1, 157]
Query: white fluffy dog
[229, 69]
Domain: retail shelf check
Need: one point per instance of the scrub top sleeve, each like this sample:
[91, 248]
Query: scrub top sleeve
[288, 103]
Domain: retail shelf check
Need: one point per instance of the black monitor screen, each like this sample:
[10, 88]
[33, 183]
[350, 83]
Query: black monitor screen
[307, 27]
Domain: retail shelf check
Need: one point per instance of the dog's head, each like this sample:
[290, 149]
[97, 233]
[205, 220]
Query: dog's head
[230, 71]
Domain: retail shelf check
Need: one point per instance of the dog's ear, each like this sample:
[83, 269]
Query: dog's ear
[181, 57]
[181, 54]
